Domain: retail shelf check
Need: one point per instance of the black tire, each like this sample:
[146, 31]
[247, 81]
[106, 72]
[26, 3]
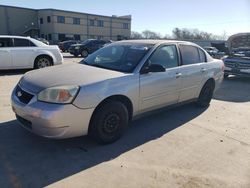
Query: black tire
[226, 75]
[84, 53]
[206, 94]
[109, 122]
[42, 62]
[75, 55]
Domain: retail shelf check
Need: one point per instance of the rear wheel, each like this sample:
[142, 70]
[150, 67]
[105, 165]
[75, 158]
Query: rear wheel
[109, 122]
[84, 53]
[42, 62]
[206, 94]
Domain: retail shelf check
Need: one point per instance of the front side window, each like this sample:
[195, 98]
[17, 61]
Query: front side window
[165, 56]
[100, 23]
[123, 58]
[5, 42]
[190, 54]
[60, 19]
[22, 43]
[76, 21]
[202, 56]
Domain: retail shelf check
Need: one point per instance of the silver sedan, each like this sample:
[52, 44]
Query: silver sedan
[101, 94]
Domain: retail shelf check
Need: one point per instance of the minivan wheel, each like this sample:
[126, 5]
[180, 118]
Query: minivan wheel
[42, 62]
[84, 53]
[206, 95]
[109, 122]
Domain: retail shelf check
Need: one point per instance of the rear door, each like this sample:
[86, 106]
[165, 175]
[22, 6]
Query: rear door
[192, 70]
[5, 55]
[23, 53]
[159, 89]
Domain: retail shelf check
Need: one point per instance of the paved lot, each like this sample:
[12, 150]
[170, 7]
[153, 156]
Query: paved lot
[181, 147]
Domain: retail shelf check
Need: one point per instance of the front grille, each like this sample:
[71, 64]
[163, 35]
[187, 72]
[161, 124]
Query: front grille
[237, 65]
[23, 96]
[24, 122]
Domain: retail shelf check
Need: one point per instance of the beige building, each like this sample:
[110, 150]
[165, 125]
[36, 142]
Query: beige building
[58, 25]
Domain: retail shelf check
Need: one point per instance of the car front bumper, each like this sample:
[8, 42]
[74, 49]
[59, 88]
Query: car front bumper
[238, 72]
[51, 120]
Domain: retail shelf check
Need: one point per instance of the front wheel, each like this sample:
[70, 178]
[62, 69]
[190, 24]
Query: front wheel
[84, 53]
[206, 95]
[42, 62]
[109, 122]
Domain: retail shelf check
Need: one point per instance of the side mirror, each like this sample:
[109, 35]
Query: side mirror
[153, 68]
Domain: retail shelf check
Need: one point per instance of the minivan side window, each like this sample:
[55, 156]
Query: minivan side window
[190, 54]
[5, 42]
[22, 43]
[165, 56]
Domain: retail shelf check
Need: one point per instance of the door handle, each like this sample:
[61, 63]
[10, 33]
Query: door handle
[203, 70]
[178, 75]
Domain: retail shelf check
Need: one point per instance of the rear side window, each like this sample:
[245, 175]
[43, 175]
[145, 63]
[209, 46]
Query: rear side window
[5, 42]
[22, 43]
[189, 54]
[202, 56]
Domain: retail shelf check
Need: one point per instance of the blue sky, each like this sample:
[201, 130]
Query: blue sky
[215, 16]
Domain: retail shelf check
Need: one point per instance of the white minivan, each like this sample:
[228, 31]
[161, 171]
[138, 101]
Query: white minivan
[24, 53]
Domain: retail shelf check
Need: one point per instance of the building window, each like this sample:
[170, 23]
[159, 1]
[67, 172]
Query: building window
[125, 25]
[92, 22]
[61, 37]
[76, 21]
[100, 23]
[48, 19]
[41, 20]
[99, 37]
[60, 19]
[91, 36]
[77, 37]
[49, 37]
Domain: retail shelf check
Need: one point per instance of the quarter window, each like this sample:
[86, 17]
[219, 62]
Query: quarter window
[60, 19]
[5, 42]
[189, 54]
[165, 56]
[202, 56]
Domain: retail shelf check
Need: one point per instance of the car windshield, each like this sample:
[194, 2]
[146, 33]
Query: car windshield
[86, 41]
[120, 57]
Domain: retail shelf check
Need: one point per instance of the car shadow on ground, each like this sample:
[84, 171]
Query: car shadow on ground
[13, 72]
[234, 89]
[27, 160]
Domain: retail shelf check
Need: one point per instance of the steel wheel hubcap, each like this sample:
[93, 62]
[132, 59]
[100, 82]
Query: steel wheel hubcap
[111, 123]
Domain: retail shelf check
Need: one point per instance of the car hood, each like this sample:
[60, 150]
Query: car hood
[74, 45]
[73, 74]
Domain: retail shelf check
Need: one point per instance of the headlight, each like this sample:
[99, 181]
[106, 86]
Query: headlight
[77, 47]
[60, 94]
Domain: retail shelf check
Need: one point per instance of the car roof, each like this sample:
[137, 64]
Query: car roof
[13, 36]
[154, 42]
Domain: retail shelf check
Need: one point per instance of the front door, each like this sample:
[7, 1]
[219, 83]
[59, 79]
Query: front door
[161, 88]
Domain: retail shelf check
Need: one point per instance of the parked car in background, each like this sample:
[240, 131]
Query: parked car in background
[64, 46]
[214, 52]
[110, 87]
[238, 63]
[87, 47]
[43, 40]
[25, 52]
